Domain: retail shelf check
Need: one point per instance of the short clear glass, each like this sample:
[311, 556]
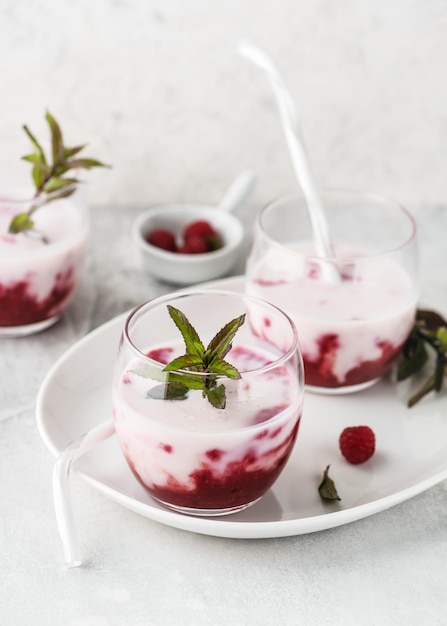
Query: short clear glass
[191, 456]
[351, 322]
[39, 271]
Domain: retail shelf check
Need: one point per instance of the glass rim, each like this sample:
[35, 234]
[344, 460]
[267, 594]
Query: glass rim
[341, 259]
[167, 298]
[46, 249]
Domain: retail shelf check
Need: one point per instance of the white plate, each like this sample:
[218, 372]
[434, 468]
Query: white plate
[411, 453]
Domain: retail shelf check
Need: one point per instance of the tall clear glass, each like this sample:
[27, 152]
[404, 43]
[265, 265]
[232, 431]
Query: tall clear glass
[189, 455]
[352, 320]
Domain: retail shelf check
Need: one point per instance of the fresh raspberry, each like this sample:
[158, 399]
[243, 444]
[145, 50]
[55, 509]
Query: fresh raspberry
[195, 245]
[357, 444]
[200, 228]
[162, 238]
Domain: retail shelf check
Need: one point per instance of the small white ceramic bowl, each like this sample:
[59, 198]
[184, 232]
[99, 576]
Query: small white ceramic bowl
[188, 269]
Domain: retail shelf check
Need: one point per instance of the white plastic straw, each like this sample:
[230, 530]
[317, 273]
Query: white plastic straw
[61, 489]
[298, 154]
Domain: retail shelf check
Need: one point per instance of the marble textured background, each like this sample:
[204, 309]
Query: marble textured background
[159, 91]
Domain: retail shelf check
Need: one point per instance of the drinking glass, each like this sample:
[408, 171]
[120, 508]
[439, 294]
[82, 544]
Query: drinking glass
[39, 270]
[353, 320]
[191, 456]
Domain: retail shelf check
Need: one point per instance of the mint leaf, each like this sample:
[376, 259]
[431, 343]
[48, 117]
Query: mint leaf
[428, 336]
[221, 367]
[190, 337]
[48, 178]
[57, 143]
[168, 391]
[36, 145]
[208, 364]
[327, 489]
[184, 362]
[220, 345]
[216, 396]
[21, 223]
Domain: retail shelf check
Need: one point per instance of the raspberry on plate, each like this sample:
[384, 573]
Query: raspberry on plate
[357, 444]
[200, 228]
[162, 238]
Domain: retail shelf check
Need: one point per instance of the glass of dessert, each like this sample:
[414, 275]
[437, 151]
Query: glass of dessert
[43, 235]
[39, 273]
[354, 311]
[207, 408]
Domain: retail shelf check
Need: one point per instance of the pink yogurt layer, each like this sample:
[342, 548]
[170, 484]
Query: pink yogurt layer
[350, 332]
[38, 279]
[189, 454]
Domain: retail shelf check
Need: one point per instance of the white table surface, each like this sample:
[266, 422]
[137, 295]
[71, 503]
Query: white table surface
[390, 568]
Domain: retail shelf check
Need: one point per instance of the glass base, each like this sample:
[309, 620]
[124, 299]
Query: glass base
[338, 391]
[205, 512]
[27, 329]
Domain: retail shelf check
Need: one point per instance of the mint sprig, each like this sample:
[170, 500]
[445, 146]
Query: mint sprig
[50, 175]
[428, 337]
[326, 488]
[201, 367]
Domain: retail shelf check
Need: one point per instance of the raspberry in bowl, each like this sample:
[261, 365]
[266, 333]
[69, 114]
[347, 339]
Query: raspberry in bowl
[186, 244]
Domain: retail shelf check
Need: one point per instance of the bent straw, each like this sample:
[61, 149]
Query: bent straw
[61, 492]
[298, 154]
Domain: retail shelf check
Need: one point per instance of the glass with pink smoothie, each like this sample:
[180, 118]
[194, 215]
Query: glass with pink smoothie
[354, 311]
[190, 454]
[39, 270]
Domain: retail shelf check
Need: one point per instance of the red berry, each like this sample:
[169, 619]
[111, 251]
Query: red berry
[200, 228]
[195, 245]
[162, 238]
[357, 444]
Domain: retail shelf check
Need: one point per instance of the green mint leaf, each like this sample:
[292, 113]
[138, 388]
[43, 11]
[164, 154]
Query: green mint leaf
[208, 364]
[184, 362]
[20, 223]
[429, 335]
[326, 488]
[63, 193]
[190, 337]
[441, 336]
[33, 158]
[220, 345]
[85, 164]
[216, 396]
[47, 178]
[155, 373]
[36, 145]
[69, 152]
[221, 367]
[192, 381]
[38, 176]
[57, 143]
[426, 388]
[413, 361]
[58, 183]
[168, 391]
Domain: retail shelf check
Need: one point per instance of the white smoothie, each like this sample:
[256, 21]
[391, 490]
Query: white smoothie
[344, 327]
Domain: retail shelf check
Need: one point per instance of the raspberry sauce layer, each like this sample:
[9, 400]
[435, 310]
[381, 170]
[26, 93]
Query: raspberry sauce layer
[18, 305]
